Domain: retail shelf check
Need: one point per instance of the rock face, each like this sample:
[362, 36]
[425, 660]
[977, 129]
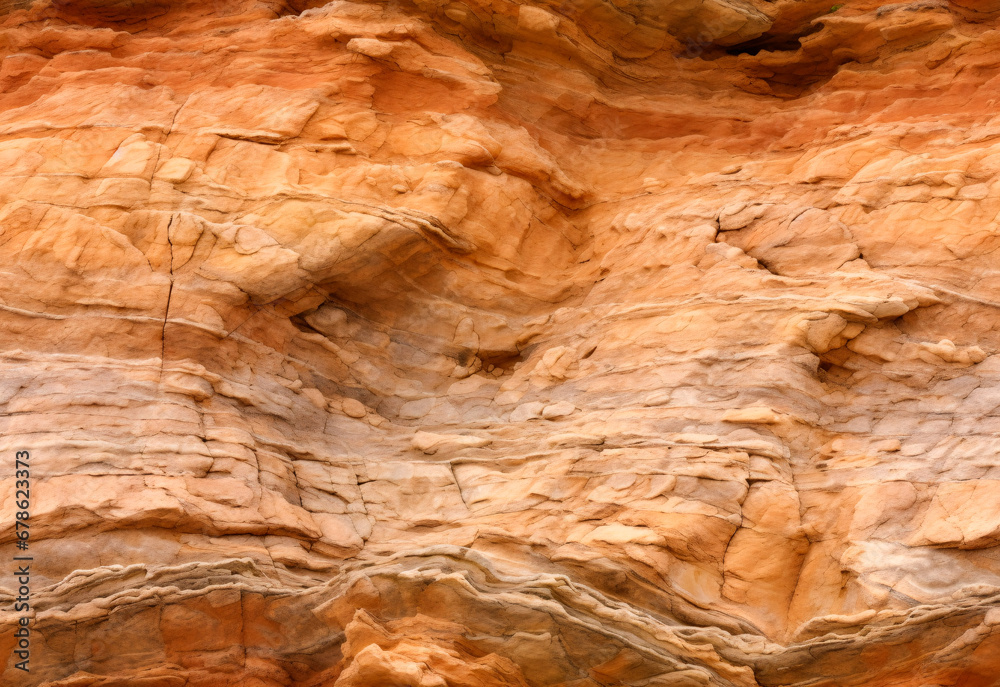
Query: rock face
[476, 344]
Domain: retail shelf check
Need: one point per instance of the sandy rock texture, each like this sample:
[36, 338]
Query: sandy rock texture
[470, 343]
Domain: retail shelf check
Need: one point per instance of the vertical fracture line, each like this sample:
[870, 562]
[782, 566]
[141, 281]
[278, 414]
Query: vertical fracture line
[170, 294]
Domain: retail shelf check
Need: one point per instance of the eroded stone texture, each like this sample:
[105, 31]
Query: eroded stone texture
[477, 344]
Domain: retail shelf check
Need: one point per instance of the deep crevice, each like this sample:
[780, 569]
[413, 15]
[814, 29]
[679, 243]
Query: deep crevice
[779, 42]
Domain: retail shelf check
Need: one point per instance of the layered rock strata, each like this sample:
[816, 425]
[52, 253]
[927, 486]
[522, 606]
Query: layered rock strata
[481, 344]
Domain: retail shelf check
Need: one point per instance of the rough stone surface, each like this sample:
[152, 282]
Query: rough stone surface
[478, 344]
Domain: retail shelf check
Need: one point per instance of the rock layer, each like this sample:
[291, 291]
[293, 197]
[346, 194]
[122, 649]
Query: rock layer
[449, 344]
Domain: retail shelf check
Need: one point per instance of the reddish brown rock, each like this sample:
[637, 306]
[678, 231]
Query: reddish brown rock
[476, 344]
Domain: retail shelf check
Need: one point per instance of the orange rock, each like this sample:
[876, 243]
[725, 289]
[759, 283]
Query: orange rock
[490, 344]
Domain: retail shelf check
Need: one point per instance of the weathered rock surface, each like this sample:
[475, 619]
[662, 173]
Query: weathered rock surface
[480, 344]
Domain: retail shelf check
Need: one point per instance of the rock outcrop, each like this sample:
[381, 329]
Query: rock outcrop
[445, 343]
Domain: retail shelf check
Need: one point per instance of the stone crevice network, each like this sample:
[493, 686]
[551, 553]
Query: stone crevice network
[476, 343]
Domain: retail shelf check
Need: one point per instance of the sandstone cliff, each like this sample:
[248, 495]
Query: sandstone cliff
[469, 343]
